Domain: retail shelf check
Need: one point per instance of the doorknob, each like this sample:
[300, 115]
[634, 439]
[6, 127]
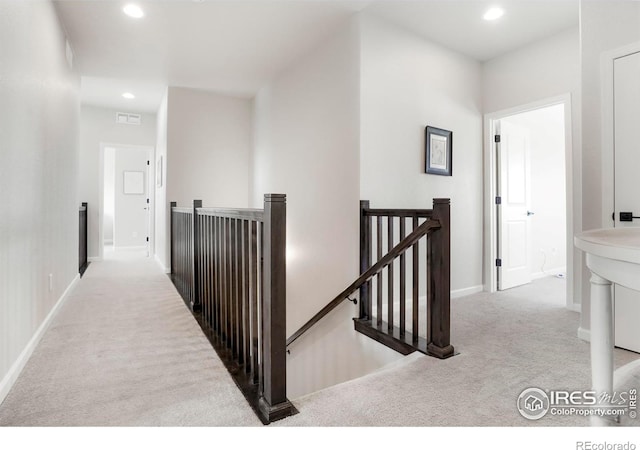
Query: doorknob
[529, 213]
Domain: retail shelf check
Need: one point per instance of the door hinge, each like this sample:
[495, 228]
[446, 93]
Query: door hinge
[496, 138]
[147, 201]
[498, 262]
[147, 238]
[498, 200]
[147, 162]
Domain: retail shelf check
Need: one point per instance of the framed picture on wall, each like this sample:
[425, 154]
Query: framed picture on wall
[133, 182]
[438, 151]
[159, 171]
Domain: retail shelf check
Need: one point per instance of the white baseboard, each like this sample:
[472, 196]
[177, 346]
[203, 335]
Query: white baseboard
[94, 258]
[548, 273]
[577, 307]
[164, 269]
[583, 334]
[10, 378]
[466, 291]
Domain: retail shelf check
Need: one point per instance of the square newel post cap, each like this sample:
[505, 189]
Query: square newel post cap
[441, 201]
[275, 197]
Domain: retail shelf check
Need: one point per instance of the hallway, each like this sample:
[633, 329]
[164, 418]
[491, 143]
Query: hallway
[125, 351]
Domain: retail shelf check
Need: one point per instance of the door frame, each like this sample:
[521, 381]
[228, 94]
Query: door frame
[151, 193]
[490, 177]
[608, 130]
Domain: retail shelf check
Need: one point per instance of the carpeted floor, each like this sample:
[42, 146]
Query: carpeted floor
[507, 342]
[124, 350]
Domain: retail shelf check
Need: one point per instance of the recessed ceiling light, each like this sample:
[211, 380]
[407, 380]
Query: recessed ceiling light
[493, 13]
[134, 11]
[128, 95]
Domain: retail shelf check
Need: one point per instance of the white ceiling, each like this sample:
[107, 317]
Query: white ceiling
[236, 46]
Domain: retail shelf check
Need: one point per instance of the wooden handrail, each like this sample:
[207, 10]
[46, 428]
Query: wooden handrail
[395, 252]
[243, 214]
[422, 213]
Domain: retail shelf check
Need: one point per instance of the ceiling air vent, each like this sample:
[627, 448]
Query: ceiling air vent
[129, 119]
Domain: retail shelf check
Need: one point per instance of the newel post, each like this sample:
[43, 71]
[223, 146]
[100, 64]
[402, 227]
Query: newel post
[195, 301]
[439, 288]
[171, 238]
[273, 403]
[365, 260]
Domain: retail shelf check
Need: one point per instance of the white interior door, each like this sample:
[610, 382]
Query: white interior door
[514, 190]
[627, 185]
[131, 216]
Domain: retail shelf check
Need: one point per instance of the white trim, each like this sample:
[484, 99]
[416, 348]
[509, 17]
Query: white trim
[584, 334]
[10, 378]
[164, 269]
[130, 247]
[94, 258]
[573, 194]
[466, 291]
[549, 273]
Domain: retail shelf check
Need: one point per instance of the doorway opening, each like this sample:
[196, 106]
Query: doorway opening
[125, 221]
[528, 208]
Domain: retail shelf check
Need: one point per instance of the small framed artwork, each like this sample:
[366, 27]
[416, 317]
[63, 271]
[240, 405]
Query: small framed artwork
[159, 172]
[133, 182]
[438, 151]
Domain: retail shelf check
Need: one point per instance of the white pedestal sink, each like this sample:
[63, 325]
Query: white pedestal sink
[613, 256]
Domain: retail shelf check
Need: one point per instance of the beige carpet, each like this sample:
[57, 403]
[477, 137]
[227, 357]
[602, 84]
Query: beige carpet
[124, 350]
[508, 341]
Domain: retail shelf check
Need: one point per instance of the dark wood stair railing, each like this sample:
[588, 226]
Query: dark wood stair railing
[436, 228]
[83, 258]
[229, 265]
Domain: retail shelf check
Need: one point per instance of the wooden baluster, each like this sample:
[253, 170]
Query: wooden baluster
[209, 270]
[379, 275]
[253, 299]
[246, 337]
[403, 277]
[439, 288]
[227, 283]
[416, 286]
[260, 308]
[196, 304]
[172, 240]
[238, 251]
[201, 264]
[273, 403]
[236, 300]
[223, 278]
[365, 260]
[233, 290]
[390, 280]
[218, 290]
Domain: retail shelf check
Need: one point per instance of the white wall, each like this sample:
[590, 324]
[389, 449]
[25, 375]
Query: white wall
[205, 141]
[408, 83]
[161, 221]
[605, 26]
[543, 70]
[548, 224]
[131, 221]
[209, 142]
[38, 177]
[109, 194]
[98, 125]
[307, 147]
